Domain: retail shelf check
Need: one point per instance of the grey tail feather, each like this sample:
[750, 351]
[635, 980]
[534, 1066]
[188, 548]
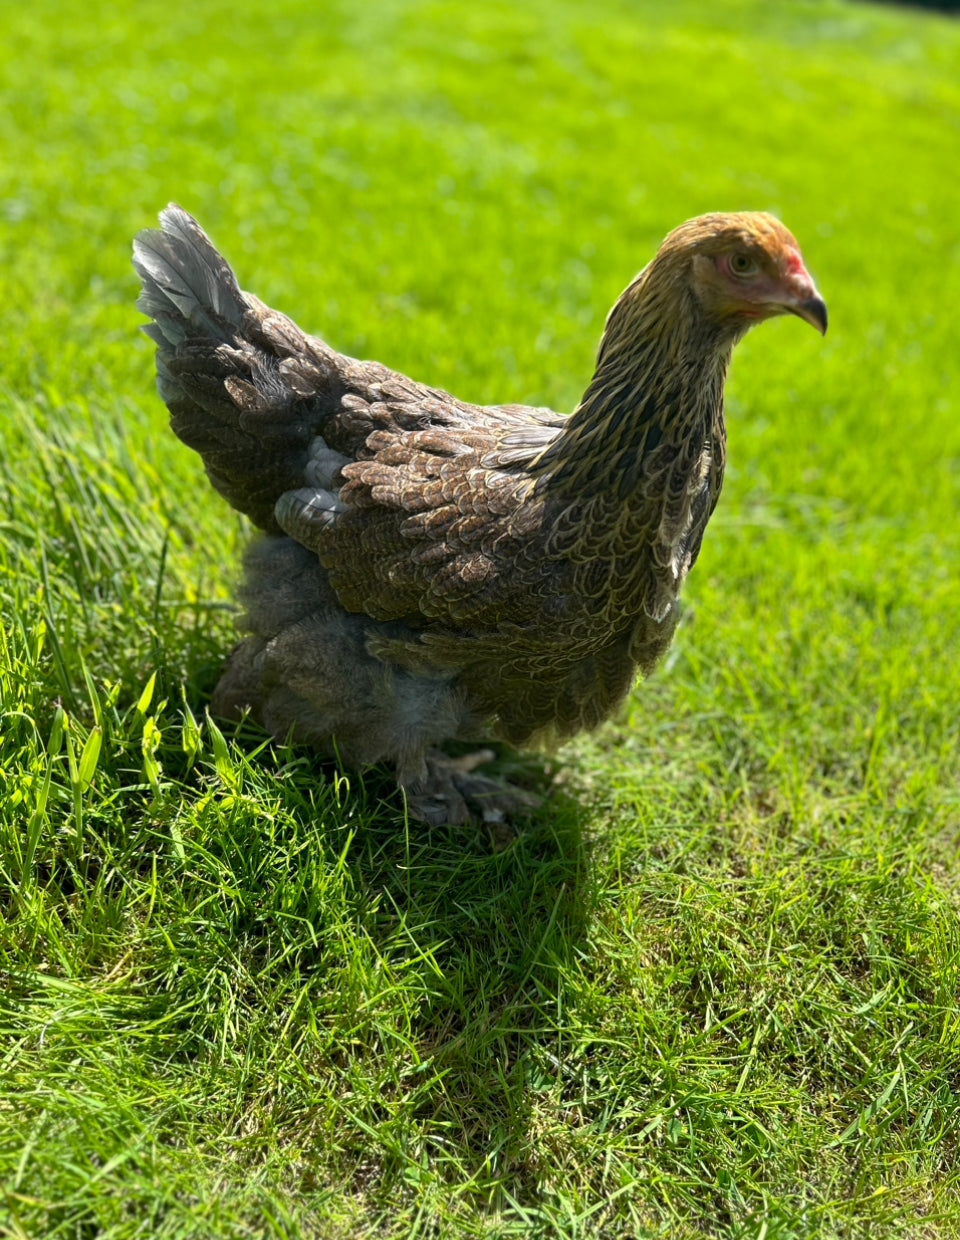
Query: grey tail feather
[185, 281]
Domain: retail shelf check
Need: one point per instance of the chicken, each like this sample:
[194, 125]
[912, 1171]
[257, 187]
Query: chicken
[431, 570]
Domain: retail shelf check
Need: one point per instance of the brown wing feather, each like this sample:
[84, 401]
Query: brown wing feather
[427, 526]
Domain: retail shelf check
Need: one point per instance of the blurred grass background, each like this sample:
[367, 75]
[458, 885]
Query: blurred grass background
[712, 988]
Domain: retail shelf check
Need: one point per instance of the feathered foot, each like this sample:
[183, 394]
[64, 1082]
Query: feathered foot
[449, 793]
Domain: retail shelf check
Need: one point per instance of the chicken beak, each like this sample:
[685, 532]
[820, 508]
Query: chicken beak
[812, 310]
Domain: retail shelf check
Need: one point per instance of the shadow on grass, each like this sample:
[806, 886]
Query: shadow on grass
[453, 959]
[501, 930]
[282, 930]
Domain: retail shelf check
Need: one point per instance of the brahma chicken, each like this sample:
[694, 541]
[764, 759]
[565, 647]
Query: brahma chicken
[431, 570]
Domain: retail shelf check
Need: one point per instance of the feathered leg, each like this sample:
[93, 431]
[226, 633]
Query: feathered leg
[306, 670]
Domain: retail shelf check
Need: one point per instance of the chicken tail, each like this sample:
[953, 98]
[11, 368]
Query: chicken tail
[245, 387]
[186, 283]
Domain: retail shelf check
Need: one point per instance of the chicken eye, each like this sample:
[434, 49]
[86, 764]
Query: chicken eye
[742, 265]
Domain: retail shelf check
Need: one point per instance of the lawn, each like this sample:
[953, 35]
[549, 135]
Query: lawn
[712, 986]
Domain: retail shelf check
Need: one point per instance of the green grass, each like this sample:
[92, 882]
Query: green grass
[712, 988]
